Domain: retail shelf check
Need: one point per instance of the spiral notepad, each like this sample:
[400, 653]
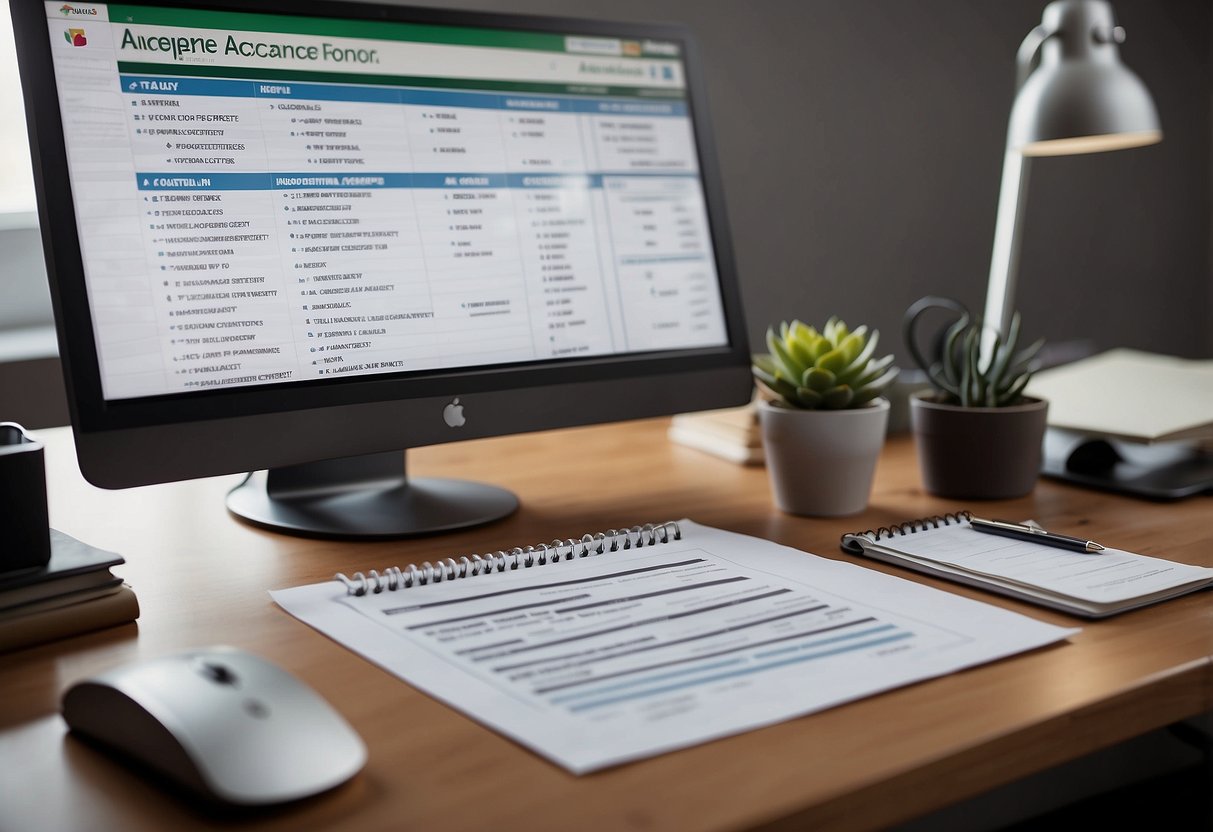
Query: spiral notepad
[624, 643]
[542, 554]
[1090, 585]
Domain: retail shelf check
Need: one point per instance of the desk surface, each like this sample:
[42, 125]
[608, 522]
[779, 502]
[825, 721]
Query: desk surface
[202, 577]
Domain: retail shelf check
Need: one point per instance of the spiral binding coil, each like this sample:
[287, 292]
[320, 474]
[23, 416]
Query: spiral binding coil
[920, 524]
[469, 566]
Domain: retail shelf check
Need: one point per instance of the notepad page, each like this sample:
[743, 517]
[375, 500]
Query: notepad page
[606, 659]
[1108, 577]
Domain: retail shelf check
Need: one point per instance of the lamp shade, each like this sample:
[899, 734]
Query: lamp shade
[1081, 98]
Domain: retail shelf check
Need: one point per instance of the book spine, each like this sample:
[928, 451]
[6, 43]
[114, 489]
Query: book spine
[37, 628]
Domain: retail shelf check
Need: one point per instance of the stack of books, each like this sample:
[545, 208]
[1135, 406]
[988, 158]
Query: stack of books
[75, 593]
[732, 433]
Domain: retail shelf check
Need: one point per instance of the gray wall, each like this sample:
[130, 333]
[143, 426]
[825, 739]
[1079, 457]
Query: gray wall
[861, 147]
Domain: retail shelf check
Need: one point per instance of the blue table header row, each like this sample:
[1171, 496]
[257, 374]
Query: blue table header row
[362, 181]
[151, 85]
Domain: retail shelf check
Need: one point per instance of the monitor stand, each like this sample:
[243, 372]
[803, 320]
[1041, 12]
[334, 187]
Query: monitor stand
[363, 498]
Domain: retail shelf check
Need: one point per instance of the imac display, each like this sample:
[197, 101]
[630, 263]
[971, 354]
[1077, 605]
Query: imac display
[305, 237]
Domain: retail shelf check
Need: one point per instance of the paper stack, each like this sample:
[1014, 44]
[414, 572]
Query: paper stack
[1172, 398]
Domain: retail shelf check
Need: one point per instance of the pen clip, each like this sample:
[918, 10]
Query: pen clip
[1004, 524]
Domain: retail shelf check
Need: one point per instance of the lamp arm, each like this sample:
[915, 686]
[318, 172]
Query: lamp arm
[1004, 262]
[1008, 224]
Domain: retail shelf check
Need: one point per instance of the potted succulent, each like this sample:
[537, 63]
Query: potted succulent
[978, 436]
[822, 416]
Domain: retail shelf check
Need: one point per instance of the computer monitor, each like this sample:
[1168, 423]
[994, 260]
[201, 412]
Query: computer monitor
[303, 236]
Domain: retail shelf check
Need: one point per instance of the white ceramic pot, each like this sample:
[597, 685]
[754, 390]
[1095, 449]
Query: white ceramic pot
[821, 462]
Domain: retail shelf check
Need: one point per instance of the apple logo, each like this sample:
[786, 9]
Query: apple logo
[452, 414]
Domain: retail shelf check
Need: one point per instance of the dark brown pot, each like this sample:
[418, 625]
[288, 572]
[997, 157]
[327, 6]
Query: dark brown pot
[979, 453]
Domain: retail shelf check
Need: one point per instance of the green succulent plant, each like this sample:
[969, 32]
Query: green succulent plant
[960, 374]
[831, 369]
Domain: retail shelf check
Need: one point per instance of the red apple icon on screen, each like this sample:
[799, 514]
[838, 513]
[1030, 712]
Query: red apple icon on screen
[75, 37]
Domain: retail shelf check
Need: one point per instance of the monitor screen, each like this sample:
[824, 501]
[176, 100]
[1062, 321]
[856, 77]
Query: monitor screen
[259, 209]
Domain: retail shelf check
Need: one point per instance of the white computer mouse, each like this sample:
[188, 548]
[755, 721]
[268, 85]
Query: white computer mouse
[222, 722]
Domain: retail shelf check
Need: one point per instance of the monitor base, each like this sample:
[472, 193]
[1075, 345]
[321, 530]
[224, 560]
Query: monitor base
[364, 498]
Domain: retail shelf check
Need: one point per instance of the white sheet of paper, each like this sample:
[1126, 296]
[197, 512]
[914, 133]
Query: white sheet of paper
[1107, 577]
[615, 657]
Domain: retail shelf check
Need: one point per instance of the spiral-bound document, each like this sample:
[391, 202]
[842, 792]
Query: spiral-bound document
[623, 644]
[1090, 585]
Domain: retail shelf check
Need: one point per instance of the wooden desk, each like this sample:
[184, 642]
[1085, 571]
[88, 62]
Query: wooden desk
[202, 577]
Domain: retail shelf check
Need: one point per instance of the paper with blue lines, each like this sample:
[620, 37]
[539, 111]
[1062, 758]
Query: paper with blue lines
[610, 658]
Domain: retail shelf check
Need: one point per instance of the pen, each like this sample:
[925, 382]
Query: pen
[1034, 534]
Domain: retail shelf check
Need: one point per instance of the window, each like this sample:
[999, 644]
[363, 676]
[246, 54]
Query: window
[16, 178]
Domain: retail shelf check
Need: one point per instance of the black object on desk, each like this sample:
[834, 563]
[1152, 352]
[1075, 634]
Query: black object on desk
[1166, 471]
[25, 540]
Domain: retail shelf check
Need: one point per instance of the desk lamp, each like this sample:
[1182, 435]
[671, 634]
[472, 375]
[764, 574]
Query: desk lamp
[1074, 96]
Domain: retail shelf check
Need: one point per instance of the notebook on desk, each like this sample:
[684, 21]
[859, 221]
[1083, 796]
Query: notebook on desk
[624, 644]
[1171, 400]
[1089, 585]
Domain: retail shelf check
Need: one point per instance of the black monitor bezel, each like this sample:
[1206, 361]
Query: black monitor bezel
[92, 413]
